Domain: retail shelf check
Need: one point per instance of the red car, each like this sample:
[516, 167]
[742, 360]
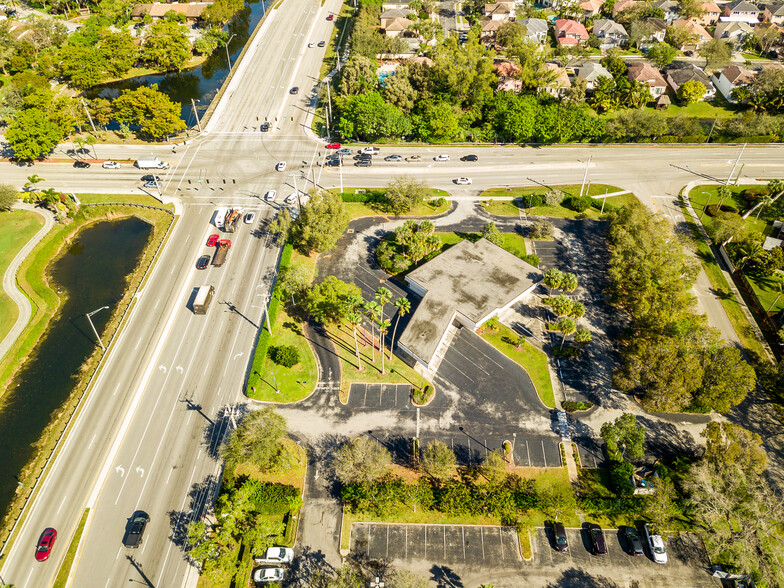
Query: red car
[333, 146]
[331, 17]
[213, 240]
[45, 543]
[224, 243]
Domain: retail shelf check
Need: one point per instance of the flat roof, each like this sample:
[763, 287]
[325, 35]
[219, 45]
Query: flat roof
[472, 279]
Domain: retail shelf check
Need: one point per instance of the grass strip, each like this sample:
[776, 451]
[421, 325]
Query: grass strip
[65, 567]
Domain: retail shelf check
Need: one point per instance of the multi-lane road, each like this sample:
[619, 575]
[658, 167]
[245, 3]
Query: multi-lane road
[146, 438]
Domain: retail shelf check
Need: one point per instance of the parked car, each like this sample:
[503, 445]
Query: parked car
[43, 548]
[345, 151]
[266, 575]
[322, 43]
[271, 195]
[655, 544]
[151, 178]
[291, 198]
[81, 164]
[265, 127]
[370, 150]
[203, 262]
[393, 158]
[633, 542]
[463, 181]
[363, 163]
[250, 217]
[469, 158]
[275, 555]
[294, 90]
[413, 158]
[280, 166]
[333, 145]
[598, 544]
[442, 157]
[559, 533]
[135, 534]
[110, 165]
[213, 240]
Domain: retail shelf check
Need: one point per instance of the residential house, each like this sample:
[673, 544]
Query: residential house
[670, 8]
[640, 71]
[396, 5]
[730, 78]
[500, 11]
[158, 10]
[698, 32]
[395, 22]
[774, 13]
[536, 29]
[610, 33]
[591, 71]
[561, 83]
[489, 30]
[710, 14]
[507, 76]
[740, 11]
[658, 31]
[733, 32]
[622, 5]
[677, 77]
[591, 8]
[570, 32]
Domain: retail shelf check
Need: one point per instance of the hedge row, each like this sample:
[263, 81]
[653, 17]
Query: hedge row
[271, 499]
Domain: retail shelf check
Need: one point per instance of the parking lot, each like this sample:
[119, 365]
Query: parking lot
[530, 450]
[590, 452]
[451, 544]
[380, 396]
[549, 254]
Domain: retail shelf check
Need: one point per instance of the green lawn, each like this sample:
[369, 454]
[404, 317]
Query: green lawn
[533, 361]
[764, 289]
[514, 243]
[702, 195]
[512, 207]
[698, 109]
[128, 198]
[426, 208]
[16, 228]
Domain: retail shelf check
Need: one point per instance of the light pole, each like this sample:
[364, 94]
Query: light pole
[226, 46]
[707, 203]
[90, 314]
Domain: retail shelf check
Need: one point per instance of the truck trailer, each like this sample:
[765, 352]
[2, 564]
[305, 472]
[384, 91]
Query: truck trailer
[152, 163]
[221, 251]
[203, 298]
[232, 218]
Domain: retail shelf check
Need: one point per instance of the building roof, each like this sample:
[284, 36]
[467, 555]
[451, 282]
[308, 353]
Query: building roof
[644, 72]
[472, 279]
[657, 24]
[736, 74]
[398, 24]
[506, 68]
[534, 26]
[394, 13]
[499, 8]
[693, 27]
[622, 5]
[741, 6]
[708, 7]
[592, 71]
[591, 5]
[570, 27]
[725, 29]
[608, 27]
[562, 81]
[691, 72]
[776, 10]
[159, 9]
[491, 26]
[668, 6]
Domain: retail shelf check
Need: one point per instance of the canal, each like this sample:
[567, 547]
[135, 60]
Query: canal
[91, 274]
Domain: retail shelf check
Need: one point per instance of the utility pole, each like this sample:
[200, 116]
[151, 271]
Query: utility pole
[226, 46]
[340, 167]
[296, 191]
[329, 110]
[585, 177]
[604, 200]
[89, 117]
[196, 114]
[732, 171]
[89, 315]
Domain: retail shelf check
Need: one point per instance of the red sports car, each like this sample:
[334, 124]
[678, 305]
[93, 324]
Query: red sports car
[333, 146]
[213, 240]
[331, 17]
[45, 543]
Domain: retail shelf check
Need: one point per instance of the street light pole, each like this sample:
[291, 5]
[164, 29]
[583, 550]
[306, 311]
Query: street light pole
[226, 46]
[707, 203]
[90, 314]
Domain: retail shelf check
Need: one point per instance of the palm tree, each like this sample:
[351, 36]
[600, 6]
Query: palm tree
[566, 326]
[553, 278]
[577, 310]
[354, 318]
[583, 336]
[403, 306]
[91, 141]
[749, 253]
[776, 188]
[383, 295]
[32, 181]
[372, 312]
[569, 282]
[383, 327]
[723, 192]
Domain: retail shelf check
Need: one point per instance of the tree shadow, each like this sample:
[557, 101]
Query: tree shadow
[201, 496]
[445, 577]
[575, 578]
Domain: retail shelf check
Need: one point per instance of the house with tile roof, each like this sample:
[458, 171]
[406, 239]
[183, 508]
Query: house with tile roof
[536, 29]
[622, 5]
[690, 73]
[500, 11]
[733, 32]
[698, 33]
[570, 32]
[158, 10]
[640, 71]
[591, 71]
[710, 14]
[658, 30]
[489, 28]
[591, 8]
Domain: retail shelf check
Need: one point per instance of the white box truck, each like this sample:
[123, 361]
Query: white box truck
[152, 163]
[220, 217]
[203, 298]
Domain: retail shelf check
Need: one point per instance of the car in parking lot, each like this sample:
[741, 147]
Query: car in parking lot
[655, 544]
[291, 198]
[150, 184]
[346, 151]
[271, 195]
[110, 165]
[598, 543]
[264, 127]
[413, 158]
[442, 157]
[81, 164]
[469, 158]
[137, 525]
[363, 163]
[322, 43]
[267, 575]
[370, 150]
[213, 240]
[250, 217]
[43, 548]
[633, 542]
[393, 158]
[151, 178]
[280, 166]
[559, 533]
[463, 181]
[333, 145]
[275, 555]
[203, 262]
[294, 90]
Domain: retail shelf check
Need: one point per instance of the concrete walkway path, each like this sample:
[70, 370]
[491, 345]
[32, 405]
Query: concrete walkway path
[9, 279]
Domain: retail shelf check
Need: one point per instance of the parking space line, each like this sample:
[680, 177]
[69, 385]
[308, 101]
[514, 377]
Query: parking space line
[463, 530]
[528, 451]
[380, 395]
[501, 537]
[406, 527]
[482, 536]
[364, 401]
[544, 455]
[425, 541]
[444, 527]
[388, 541]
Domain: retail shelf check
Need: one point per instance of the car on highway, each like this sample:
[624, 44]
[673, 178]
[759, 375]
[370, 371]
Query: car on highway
[280, 166]
[271, 195]
[413, 158]
[203, 262]
[469, 158]
[275, 555]
[363, 163]
[463, 181]
[81, 164]
[294, 90]
[213, 240]
[333, 163]
[559, 534]
[136, 526]
[393, 158]
[633, 542]
[442, 157]
[291, 198]
[45, 543]
[370, 150]
[110, 165]
[250, 217]
[322, 44]
[265, 127]
[655, 544]
[362, 156]
[311, 45]
[598, 544]
[151, 178]
[333, 145]
[150, 184]
[331, 17]
[267, 575]
[345, 151]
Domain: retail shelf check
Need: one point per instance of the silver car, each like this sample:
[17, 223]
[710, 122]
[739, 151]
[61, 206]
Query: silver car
[275, 555]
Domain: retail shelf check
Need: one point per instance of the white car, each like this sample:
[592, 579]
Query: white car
[370, 150]
[264, 575]
[291, 198]
[281, 166]
[276, 555]
[463, 181]
[311, 45]
[442, 157]
[250, 217]
[110, 165]
[271, 195]
[656, 545]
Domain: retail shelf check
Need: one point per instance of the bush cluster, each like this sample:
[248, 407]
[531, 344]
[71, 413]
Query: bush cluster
[270, 499]
[284, 355]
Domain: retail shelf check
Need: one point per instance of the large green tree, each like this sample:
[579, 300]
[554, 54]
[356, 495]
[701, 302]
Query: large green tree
[438, 460]
[624, 437]
[402, 193]
[32, 135]
[368, 117]
[258, 440]
[320, 223]
[166, 46]
[728, 445]
[151, 110]
[727, 380]
[9, 195]
[361, 461]
[328, 302]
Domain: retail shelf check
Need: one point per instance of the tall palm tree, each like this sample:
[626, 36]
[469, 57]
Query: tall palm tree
[32, 181]
[764, 201]
[569, 282]
[382, 296]
[723, 192]
[372, 312]
[553, 278]
[776, 188]
[383, 327]
[403, 306]
[567, 326]
[749, 253]
[354, 318]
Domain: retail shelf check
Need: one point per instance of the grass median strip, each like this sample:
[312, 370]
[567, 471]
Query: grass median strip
[65, 568]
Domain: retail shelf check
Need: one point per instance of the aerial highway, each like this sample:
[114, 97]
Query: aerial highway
[147, 437]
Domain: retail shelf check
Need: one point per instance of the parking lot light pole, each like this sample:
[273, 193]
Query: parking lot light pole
[707, 203]
[90, 314]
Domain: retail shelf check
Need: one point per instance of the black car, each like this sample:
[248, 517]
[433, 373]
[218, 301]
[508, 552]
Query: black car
[81, 164]
[136, 526]
[559, 533]
[363, 163]
[265, 127]
[322, 43]
[294, 90]
[633, 541]
[469, 158]
[598, 544]
[203, 262]
[151, 178]
[364, 157]
[333, 163]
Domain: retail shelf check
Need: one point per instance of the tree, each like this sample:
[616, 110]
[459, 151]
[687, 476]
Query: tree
[727, 381]
[726, 226]
[320, 223]
[659, 507]
[583, 337]
[624, 436]
[152, 111]
[358, 76]
[8, 195]
[329, 301]
[690, 9]
[258, 440]
[402, 193]
[553, 278]
[717, 54]
[353, 316]
[557, 498]
[640, 31]
[32, 181]
[749, 252]
[166, 46]
[510, 33]
[372, 311]
[293, 280]
[728, 445]
[492, 234]
[382, 296]
[494, 466]
[280, 227]
[212, 38]
[569, 282]
[361, 461]
[766, 37]
[679, 37]
[662, 54]
[438, 460]
[566, 326]
[403, 306]
[561, 305]
[32, 135]
[368, 117]
[576, 310]
[398, 90]
[691, 91]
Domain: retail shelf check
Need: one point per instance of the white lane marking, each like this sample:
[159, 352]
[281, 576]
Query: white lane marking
[116, 389]
[61, 504]
[137, 345]
[92, 441]
[120, 470]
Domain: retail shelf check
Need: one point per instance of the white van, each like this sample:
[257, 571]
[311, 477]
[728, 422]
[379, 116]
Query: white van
[220, 217]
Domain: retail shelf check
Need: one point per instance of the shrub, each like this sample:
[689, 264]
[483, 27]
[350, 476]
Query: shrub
[285, 355]
[391, 259]
[572, 406]
[553, 197]
[578, 203]
[349, 197]
[713, 209]
[541, 229]
[270, 499]
[621, 476]
[438, 202]
[531, 258]
[532, 200]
